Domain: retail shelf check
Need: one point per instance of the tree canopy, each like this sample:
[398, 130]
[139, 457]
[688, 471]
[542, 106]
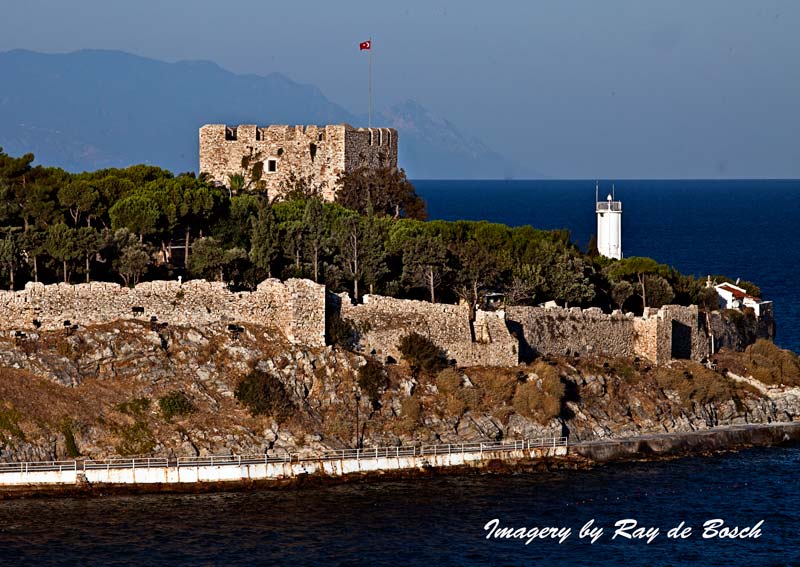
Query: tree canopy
[144, 222]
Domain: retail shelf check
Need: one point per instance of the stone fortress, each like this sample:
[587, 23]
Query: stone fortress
[265, 157]
[300, 311]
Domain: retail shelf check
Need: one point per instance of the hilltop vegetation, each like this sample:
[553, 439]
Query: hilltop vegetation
[143, 223]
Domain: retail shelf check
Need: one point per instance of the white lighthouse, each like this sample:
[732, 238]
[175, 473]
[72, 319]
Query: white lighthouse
[609, 225]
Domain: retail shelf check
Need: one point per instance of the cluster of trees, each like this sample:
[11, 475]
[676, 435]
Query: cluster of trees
[127, 224]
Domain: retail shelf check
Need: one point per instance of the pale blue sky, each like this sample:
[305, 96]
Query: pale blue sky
[574, 89]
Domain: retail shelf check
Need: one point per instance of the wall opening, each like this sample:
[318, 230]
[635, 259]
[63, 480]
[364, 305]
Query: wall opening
[681, 340]
[312, 149]
[272, 165]
[230, 134]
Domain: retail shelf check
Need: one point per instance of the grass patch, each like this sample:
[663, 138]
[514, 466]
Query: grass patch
[696, 383]
[9, 424]
[135, 407]
[773, 365]
[540, 397]
[136, 439]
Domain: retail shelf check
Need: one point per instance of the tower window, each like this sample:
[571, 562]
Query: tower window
[272, 165]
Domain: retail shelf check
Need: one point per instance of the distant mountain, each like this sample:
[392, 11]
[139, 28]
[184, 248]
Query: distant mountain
[434, 148]
[92, 109]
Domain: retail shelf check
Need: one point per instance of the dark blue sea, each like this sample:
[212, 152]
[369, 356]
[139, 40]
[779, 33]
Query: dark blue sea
[743, 229]
[433, 522]
[747, 229]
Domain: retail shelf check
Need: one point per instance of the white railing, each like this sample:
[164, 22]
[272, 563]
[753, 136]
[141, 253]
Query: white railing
[609, 206]
[238, 460]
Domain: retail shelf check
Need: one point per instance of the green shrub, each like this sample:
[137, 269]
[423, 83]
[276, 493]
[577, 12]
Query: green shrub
[371, 380]
[264, 394]
[175, 403]
[67, 429]
[422, 353]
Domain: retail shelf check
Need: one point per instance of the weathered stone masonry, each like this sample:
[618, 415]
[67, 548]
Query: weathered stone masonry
[266, 156]
[296, 308]
[300, 309]
[484, 342]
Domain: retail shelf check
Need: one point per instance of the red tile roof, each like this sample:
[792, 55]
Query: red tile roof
[737, 293]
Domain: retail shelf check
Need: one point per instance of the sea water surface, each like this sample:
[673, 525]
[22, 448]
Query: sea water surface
[432, 522]
[744, 229]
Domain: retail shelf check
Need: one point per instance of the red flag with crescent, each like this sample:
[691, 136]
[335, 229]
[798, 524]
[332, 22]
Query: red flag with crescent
[365, 45]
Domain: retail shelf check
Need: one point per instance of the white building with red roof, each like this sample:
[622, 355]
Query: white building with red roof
[732, 296]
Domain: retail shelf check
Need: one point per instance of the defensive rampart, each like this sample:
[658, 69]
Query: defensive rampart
[486, 341]
[301, 309]
[295, 307]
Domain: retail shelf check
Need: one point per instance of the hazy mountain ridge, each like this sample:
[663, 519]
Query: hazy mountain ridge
[93, 108]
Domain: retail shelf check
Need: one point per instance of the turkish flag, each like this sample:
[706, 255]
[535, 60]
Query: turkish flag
[365, 45]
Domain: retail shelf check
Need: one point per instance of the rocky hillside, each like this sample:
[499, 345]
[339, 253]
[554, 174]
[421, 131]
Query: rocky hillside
[128, 389]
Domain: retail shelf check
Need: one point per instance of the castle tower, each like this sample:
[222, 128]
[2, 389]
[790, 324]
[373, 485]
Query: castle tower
[609, 225]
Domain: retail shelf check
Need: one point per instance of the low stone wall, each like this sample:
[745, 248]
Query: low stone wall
[295, 307]
[385, 320]
[569, 331]
[673, 331]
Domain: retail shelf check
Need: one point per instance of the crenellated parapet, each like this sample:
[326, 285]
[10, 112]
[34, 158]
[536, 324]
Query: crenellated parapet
[266, 156]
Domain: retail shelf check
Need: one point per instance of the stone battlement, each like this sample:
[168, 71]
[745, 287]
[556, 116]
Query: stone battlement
[265, 156]
[299, 309]
[295, 308]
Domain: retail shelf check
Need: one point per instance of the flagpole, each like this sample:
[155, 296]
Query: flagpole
[369, 119]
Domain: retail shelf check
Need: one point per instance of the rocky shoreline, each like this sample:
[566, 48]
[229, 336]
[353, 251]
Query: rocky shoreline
[130, 390]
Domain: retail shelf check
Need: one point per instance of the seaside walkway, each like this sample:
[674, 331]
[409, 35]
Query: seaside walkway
[245, 468]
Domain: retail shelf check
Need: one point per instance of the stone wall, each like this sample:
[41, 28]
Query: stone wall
[569, 331]
[385, 320]
[307, 151]
[296, 307]
[659, 335]
[299, 309]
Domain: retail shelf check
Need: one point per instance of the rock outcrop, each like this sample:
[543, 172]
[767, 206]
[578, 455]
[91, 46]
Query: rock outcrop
[98, 392]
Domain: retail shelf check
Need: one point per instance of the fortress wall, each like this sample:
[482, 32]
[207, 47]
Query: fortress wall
[646, 338]
[569, 331]
[387, 320]
[296, 308]
[673, 331]
[304, 151]
[370, 147]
